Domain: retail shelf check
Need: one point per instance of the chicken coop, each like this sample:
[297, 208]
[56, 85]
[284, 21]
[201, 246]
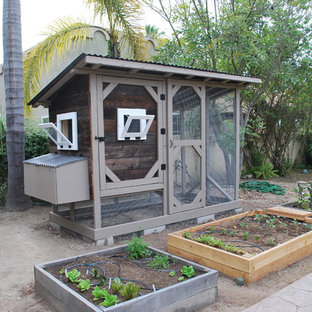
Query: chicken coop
[137, 145]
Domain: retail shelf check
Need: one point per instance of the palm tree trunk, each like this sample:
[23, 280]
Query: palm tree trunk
[13, 83]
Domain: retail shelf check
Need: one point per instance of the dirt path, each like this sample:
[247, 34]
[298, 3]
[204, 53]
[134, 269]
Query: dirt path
[27, 239]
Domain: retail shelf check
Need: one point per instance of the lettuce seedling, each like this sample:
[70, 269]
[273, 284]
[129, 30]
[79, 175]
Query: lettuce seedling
[130, 291]
[117, 285]
[99, 293]
[109, 301]
[188, 271]
[73, 275]
[84, 285]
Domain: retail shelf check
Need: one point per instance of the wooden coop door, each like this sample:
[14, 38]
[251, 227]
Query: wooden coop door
[186, 113]
[127, 160]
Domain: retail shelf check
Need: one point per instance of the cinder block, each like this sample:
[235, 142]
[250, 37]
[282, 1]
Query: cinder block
[109, 241]
[154, 230]
[205, 219]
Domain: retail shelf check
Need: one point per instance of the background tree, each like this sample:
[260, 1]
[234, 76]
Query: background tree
[119, 19]
[263, 38]
[13, 82]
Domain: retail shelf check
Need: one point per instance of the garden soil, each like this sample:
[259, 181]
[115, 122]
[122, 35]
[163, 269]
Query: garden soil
[27, 239]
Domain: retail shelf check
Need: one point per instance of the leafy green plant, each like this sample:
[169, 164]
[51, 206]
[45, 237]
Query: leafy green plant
[110, 300]
[187, 235]
[271, 242]
[129, 291]
[95, 273]
[117, 285]
[233, 233]
[223, 232]
[160, 262]
[98, 293]
[84, 285]
[188, 271]
[258, 217]
[181, 279]
[73, 275]
[137, 249]
[246, 235]
[172, 273]
[265, 171]
[244, 224]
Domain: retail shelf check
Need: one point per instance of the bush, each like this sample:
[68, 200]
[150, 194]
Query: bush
[36, 144]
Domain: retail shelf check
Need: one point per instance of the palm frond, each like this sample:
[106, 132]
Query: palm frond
[65, 34]
[123, 17]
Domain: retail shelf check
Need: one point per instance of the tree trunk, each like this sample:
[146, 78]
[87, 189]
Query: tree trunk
[13, 83]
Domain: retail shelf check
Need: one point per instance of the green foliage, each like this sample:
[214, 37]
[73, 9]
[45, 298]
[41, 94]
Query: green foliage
[36, 144]
[265, 171]
[188, 271]
[73, 275]
[129, 291]
[246, 235]
[98, 293]
[187, 235]
[137, 249]
[117, 285]
[172, 273]
[181, 279]
[110, 300]
[84, 285]
[160, 262]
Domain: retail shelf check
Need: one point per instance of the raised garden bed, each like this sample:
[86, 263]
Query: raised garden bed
[249, 245]
[159, 290]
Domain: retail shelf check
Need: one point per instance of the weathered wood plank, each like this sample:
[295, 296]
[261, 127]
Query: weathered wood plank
[294, 213]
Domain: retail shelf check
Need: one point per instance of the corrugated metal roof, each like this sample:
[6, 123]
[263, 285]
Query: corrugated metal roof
[87, 61]
[53, 160]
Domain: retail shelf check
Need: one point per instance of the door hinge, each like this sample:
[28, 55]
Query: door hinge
[101, 139]
[162, 97]
[163, 167]
[162, 131]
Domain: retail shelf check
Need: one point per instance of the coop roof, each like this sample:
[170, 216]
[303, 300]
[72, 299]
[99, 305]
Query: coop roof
[86, 63]
[53, 160]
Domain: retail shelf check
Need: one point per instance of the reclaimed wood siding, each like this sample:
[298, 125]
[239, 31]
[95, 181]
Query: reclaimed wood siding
[74, 97]
[129, 159]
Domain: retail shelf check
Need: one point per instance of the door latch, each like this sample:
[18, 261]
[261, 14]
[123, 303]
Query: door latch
[101, 139]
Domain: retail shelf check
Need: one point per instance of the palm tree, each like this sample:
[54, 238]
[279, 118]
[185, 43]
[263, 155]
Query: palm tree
[124, 33]
[13, 82]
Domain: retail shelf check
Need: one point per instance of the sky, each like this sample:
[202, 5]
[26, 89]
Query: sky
[36, 15]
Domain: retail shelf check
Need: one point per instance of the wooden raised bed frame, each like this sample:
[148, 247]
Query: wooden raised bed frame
[249, 267]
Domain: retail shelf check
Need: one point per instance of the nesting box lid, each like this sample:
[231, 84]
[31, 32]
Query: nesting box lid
[53, 160]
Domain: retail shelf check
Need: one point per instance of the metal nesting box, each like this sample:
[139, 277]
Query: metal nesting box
[57, 179]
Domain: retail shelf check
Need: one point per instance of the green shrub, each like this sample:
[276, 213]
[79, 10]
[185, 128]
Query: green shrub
[265, 171]
[36, 144]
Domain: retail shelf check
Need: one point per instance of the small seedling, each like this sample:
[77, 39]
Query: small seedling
[129, 291]
[233, 233]
[117, 285]
[73, 275]
[244, 224]
[137, 249]
[84, 285]
[256, 238]
[62, 271]
[98, 293]
[95, 273]
[160, 262]
[102, 280]
[296, 225]
[258, 217]
[110, 300]
[188, 271]
[246, 235]
[187, 235]
[181, 279]
[282, 223]
[172, 273]
[223, 232]
[271, 242]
